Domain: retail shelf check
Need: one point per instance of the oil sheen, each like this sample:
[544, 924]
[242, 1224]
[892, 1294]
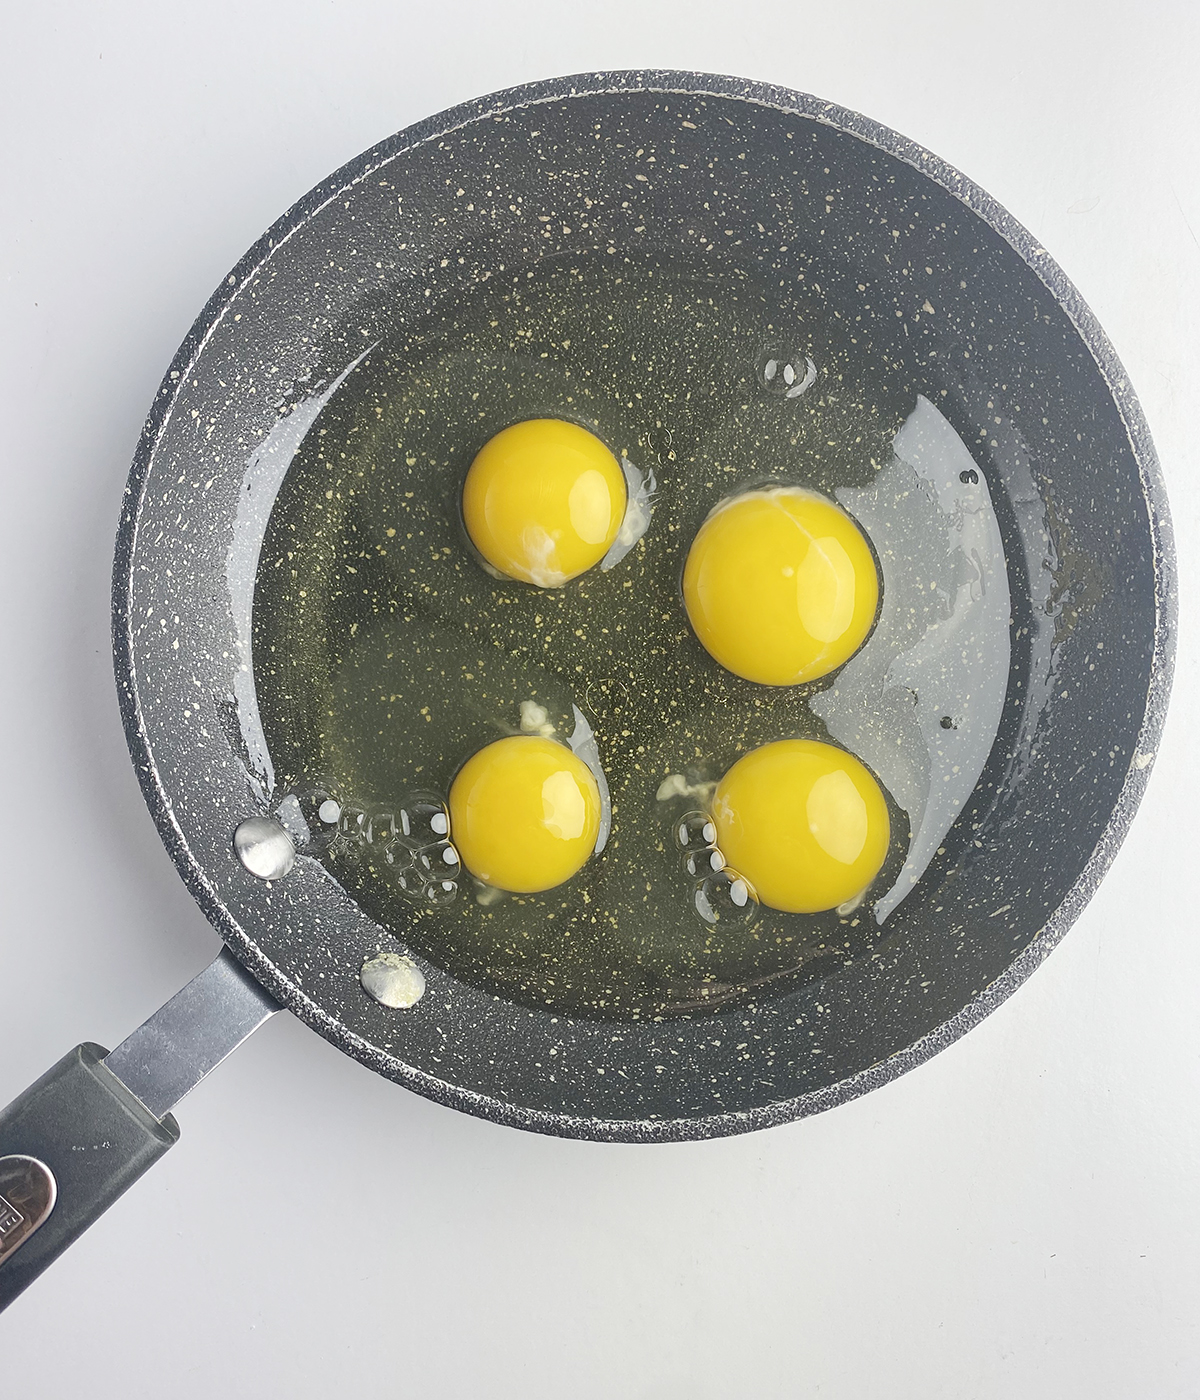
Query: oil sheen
[385, 655]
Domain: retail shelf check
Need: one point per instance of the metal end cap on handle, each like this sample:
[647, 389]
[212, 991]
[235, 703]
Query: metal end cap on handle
[28, 1191]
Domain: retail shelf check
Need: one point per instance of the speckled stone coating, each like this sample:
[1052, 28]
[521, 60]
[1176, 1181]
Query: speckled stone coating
[981, 311]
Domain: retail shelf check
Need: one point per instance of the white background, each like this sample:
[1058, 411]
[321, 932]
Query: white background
[1018, 1218]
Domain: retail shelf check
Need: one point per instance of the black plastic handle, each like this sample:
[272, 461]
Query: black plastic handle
[95, 1137]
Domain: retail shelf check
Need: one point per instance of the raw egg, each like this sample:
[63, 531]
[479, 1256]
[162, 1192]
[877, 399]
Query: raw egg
[803, 822]
[525, 814]
[543, 501]
[780, 585]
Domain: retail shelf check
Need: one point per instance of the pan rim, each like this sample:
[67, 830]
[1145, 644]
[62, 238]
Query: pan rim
[1117, 384]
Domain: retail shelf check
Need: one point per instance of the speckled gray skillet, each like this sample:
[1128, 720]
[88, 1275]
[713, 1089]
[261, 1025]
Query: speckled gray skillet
[974, 307]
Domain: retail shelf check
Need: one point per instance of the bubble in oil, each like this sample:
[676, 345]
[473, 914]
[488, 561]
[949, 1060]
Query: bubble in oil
[410, 881]
[695, 832]
[607, 697]
[700, 864]
[437, 860]
[439, 892]
[785, 373]
[723, 899]
[311, 815]
[398, 857]
[380, 828]
[424, 818]
[352, 821]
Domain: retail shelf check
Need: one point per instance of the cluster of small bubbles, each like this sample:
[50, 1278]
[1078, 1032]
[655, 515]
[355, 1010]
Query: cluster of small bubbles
[411, 838]
[719, 895]
[784, 372]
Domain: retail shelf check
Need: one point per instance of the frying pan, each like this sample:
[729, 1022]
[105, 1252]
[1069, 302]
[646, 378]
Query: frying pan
[975, 312]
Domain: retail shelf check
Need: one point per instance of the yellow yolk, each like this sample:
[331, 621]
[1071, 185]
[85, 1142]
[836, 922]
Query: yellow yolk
[803, 822]
[543, 501]
[524, 814]
[780, 586]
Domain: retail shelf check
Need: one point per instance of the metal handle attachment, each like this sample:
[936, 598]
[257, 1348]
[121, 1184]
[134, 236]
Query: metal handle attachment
[76, 1140]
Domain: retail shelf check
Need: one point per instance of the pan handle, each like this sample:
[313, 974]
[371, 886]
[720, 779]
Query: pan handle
[83, 1134]
[69, 1146]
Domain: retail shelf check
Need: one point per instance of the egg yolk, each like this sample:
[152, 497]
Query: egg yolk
[780, 586]
[524, 814]
[543, 501]
[803, 822]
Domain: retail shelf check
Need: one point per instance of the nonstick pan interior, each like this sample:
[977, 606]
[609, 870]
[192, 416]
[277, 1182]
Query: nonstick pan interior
[964, 307]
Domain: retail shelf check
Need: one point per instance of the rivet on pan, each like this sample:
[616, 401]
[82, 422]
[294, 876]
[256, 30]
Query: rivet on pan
[264, 848]
[393, 980]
